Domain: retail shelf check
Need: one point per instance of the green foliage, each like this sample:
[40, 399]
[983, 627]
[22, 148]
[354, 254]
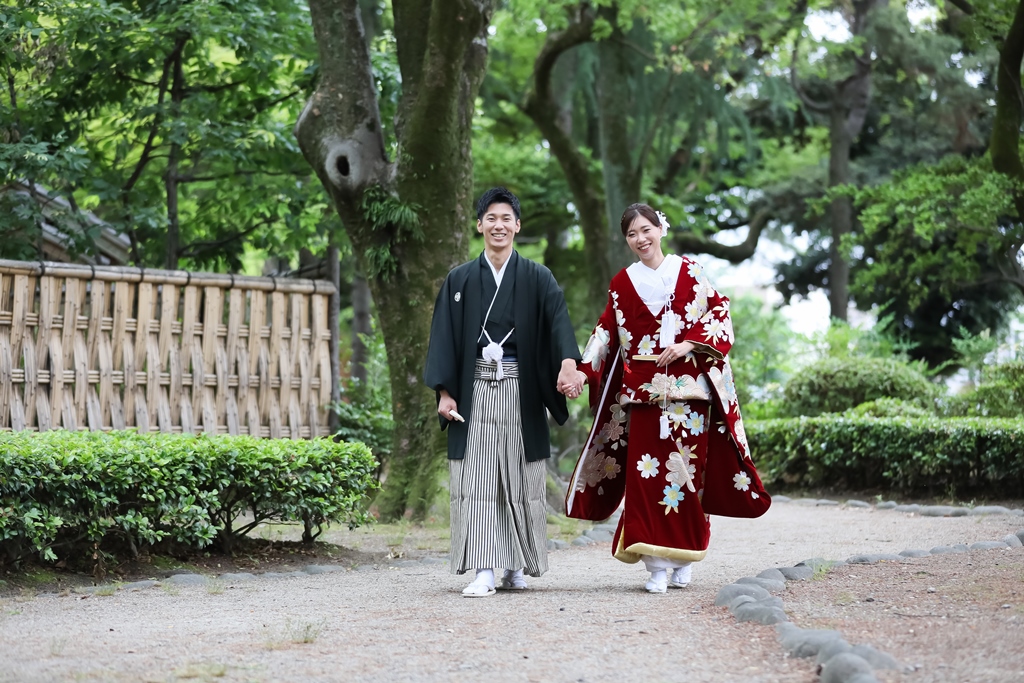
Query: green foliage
[887, 407]
[762, 355]
[834, 385]
[197, 92]
[999, 394]
[392, 221]
[909, 455]
[364, 413]
[79, 495]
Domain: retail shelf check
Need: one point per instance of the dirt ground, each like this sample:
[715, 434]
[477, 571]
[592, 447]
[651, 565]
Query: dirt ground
[588, 619]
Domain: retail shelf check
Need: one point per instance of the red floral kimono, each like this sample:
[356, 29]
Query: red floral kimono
[670, 439]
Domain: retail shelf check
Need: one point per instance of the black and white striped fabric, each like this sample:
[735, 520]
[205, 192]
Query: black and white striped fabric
[499, 519]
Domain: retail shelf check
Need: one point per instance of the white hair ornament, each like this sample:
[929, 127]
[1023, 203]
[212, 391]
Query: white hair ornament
[664, 223]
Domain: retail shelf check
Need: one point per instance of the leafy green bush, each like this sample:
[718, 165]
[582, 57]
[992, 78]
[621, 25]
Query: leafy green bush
[836, 384]
[1000, 394]
[911, 455]
[63, 494]
[364, 412]
[887, 407]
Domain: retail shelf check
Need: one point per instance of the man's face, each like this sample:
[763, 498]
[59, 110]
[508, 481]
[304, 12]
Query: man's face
[498, 226]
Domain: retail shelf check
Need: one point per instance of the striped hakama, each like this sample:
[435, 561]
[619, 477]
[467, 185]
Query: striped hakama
[498, 515]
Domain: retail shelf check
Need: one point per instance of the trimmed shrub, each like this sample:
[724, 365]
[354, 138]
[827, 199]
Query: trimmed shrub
[911, 455]
[887, 407]
[834, 385]
[72, 494]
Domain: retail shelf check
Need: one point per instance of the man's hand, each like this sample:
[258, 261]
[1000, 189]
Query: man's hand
[570, 380]
[446, 405]
[674, 353]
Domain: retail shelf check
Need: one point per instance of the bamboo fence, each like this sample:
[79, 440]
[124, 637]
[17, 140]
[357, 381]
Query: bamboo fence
[99, 348]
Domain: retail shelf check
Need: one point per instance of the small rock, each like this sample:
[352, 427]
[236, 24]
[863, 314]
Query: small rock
[945, 550]
[582, 541]
[557, 544]
[825, 502]
[857, 504]
[236, 577]
[760, 614]
[610, 528]
[886, 505]
[962, 547]
[960, 512]
[801, 642]
[282, 575]
[937, 510]
[726, 594]
[796, 573]
[988, 545]
[914, 552]
[444, 560]
[812, 502]
[1017, 512]
[773, 574]
[364, 568]
[908, 508]
[876, 658]
[990, 510]
[599, 535]
[819, 563]
[1012, 541]
[843, 667]
[875, 558]
[186, 580]
[1007, 606]
[931, 589]
[781, 499]
[1020, 535]
[740, 600]
[833, 648]
[769, 585]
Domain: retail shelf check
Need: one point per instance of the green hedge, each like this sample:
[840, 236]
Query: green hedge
[906, 454]
[65, 494]
[833, 385]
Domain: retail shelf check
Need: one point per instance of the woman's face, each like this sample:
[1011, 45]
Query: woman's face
[644, 239]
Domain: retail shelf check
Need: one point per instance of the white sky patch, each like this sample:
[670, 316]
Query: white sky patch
[829, 26]
[922, 14]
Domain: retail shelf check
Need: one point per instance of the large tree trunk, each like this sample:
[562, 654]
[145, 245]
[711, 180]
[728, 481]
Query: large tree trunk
[621, 182]
[361, 327]
[840, 216]
[442, 55]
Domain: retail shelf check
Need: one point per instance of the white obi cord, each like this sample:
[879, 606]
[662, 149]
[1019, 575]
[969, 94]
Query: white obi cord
[494, 351]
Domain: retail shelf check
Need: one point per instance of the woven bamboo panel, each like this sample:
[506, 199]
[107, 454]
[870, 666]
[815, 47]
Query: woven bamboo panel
[102, 348]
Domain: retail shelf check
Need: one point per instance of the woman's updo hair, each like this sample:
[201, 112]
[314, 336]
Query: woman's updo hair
[634, 210]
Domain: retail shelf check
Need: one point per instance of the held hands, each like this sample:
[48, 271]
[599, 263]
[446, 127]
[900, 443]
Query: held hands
[674, 353]
[570, 380]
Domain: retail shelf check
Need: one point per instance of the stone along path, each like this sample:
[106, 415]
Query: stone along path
[586, 620]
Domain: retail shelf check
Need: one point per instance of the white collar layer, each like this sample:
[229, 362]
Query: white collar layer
[656, 286]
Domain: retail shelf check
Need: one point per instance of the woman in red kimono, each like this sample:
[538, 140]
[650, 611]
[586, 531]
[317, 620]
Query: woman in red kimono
[667, 432]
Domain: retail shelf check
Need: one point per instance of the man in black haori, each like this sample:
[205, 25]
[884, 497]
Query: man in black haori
[502, 350]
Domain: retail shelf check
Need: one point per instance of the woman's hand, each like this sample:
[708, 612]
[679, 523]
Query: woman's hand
[674, 353]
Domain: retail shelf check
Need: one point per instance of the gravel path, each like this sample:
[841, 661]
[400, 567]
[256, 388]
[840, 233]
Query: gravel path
[586, 620]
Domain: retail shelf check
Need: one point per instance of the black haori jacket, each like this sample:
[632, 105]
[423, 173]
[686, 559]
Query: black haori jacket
[544, 337]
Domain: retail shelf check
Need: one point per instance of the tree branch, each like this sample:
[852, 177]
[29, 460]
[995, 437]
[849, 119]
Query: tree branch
[193, 178]
[963, 6]
[694, 243]
[147, 148]
[807, 101]
[197, 248]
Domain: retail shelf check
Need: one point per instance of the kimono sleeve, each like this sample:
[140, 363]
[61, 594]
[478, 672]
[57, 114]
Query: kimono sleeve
[712, 333]
[442, 366]
[600, 349]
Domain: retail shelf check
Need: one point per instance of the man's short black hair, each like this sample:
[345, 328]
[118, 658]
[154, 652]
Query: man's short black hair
[496, 195]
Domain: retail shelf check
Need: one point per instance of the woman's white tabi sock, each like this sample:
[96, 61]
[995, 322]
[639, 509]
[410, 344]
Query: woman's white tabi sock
[658, 583]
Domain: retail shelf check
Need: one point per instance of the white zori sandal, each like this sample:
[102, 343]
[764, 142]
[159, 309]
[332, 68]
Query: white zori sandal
[681, 576]
[482, 586]
[513, 580]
